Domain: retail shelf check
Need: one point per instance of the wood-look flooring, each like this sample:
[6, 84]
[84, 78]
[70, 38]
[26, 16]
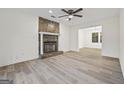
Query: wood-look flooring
[84, 67]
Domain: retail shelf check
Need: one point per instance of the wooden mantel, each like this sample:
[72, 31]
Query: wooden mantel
[46, 25]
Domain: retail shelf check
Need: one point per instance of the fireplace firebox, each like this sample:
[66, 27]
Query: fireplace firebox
[50, 43]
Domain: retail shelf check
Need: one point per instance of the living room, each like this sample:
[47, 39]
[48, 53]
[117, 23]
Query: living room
[29, 50]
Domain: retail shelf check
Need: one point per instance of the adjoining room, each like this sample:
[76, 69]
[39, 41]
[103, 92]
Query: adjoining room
[91, 38]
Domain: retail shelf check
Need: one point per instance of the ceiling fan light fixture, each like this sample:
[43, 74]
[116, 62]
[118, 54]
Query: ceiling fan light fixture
[70, 16]
[67, 19]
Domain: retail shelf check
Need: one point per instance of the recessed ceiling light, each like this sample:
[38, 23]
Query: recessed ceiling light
[50, 11]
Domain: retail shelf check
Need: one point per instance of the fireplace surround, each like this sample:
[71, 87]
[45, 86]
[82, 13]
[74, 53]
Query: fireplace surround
[48, 45]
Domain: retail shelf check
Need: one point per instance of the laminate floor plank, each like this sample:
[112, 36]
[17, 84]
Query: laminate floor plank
[84, 67]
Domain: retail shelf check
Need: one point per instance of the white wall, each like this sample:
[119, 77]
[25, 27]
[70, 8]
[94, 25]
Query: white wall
[64, 38]
[74, 42]
[18, 37]
[85, 37]
[111, 37]
[122, 40]
[110, 31]
[81, 38]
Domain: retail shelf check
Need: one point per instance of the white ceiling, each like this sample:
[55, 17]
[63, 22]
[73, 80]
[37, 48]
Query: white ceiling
[89, 14]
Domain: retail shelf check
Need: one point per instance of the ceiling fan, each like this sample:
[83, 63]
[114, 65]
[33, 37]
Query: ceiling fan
[71, 13]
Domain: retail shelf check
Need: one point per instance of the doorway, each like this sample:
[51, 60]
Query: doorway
[90, 37]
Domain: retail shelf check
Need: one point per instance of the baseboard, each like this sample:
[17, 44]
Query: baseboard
[3, 66]
[111, 58]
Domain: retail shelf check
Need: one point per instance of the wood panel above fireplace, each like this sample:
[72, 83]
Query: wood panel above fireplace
[46, 25]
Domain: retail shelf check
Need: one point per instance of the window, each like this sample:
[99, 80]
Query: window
[95, 37]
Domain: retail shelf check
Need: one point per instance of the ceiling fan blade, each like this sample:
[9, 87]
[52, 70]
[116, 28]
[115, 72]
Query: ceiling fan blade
[78, 15]
[53, 16]
[78, 10]
[65, 11]
[62, 16]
